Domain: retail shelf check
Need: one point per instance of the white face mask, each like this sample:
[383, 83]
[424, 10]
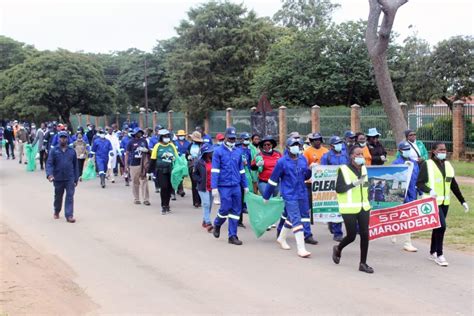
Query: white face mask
[181, 137]
[359, 160]
[295, 150]
[220, 143]
[406, 153]
[230, 145]
[102, 135]
[363, 144]
[246, 142]
[166, 140]
[441, 156]
[338, 147]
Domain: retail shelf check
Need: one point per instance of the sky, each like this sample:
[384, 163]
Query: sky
[113, 25]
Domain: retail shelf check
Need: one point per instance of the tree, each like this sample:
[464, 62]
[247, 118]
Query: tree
[214, 57]
[451, 67]
[13, 53]
[56, 83]
[377, 45]
[305, 14]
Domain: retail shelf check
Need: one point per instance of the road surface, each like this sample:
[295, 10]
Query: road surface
[128, 258]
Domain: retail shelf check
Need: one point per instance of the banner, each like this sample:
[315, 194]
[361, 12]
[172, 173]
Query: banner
[387, 188]
[411, 217]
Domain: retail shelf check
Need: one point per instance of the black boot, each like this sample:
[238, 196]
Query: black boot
[102, 181]
[364, 267]
[234, 240]
[336, 254]
[217, 231]
[310, 240]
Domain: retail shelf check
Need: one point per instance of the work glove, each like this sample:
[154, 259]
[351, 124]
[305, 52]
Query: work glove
[246, 190]
[260, 163]
[358, 182]
[466, 207]
[433, 193]
[383, 158]
[408, 163]
[215, 193]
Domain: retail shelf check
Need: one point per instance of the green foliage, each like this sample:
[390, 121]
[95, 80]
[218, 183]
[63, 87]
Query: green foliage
[13, 53]
[305, 14]
[55, 83]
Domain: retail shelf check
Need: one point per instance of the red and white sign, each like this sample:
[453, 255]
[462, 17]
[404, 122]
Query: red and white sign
[407, 218]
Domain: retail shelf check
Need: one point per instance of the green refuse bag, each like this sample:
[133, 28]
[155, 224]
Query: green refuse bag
[263, 215]
[30, 154]
[89, 172]
[179, 171]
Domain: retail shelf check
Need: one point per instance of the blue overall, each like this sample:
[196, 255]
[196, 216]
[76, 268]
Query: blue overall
[412, 191]
[101, 149]
[228, 176]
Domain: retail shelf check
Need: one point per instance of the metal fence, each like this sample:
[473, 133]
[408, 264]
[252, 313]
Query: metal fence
[334, 121]
[469, 119]
[432, 124]
[375, 117]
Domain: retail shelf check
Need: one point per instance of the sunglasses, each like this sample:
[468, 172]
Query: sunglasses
[267, 144]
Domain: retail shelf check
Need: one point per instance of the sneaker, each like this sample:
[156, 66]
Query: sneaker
[147, 203]
[310, 240]
[410, 248]
[364, 267]
[441, 260]
[71, 219]
[234, 240]
[336, 254]
[433, 256]
[137, 202]
[56, 216]
[163, 211]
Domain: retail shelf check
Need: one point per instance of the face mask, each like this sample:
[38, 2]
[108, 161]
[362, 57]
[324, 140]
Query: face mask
[220, 143]
[338, 147]
[102, 135]
[359, 160]
[89, 128]
[405, 153]
[441, 156]
[246, 142]
[230, 145]
[295, 150]
[269, 150]
[181, 137]
[166, 140]
[362, 144]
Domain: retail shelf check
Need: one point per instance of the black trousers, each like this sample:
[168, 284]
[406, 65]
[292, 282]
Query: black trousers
[10, 146]
[80, 163]
[42, 158]
[196, 197]
[164, 180]
[437, 235]
[351, 221]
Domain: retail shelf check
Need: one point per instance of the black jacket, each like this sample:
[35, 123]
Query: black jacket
[376, 151]
[199, 175]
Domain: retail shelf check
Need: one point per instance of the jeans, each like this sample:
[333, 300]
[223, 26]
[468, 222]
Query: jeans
[262, 186]
[206, 201]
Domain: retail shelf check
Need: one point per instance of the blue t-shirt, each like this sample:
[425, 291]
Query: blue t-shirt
[135, 155]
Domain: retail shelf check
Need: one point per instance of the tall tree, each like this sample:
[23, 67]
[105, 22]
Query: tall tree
[305, 14]
[377, 40]
[13, 53]
[56, 83]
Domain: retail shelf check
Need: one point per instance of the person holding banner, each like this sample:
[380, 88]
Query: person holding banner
[436, 179]
[291, 172]
[335, 157]
[353, 198]
[404, 159]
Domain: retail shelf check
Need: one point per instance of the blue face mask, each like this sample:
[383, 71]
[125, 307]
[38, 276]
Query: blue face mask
[295, 150]
[441, 156]
[338, 147]
[359, 160]
[406, 154]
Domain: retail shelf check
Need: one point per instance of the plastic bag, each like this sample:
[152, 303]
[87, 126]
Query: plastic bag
[30, 154]
[263, 215]
[179, 171]
[89, 172]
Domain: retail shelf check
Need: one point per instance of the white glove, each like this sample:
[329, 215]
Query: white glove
[143, 149]
[6, 141]
[383, 158]
[190, 157]
[358, 182]
[313, 164]
[260, 163]
[246, 190]
[20, 141]
[466, 207]
[433, 193]
[149, 175]
[265, 201]
[215, 193]
[408, 163]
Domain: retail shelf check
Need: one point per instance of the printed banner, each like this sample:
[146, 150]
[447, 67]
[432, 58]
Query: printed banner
[387, 188]
[411, 217]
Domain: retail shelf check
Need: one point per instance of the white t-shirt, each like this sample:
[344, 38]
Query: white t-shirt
[413, 151]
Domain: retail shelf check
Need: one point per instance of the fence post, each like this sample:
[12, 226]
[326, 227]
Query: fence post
[228, 117]
[355, 118]
[186, 122]
[141, 118]
[79, 119]
[458, 129]
[88, 119]
[155, 118]
[96, 119]
[129, 117]
[282, 125]
[315, 119]
[170, 120]
[206, 123]
[404, 108]
[117, 120]
[106, 120]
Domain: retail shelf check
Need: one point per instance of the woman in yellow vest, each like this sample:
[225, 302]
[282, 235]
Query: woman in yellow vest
[436, 179]
[353, 197]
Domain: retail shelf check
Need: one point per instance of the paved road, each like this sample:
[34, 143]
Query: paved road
[131, 259]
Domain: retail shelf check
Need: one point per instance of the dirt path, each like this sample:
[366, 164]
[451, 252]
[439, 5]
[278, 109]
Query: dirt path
[465, 180]
[32, 282]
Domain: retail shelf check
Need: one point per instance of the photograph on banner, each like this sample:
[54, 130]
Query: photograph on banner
[323, 184]
[388, 185]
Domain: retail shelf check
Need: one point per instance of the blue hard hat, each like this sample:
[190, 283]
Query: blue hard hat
[63, 134]
[349, 134]
[230, 132]
[335, 140]
[404, 146]
[137, 130]
[292, 141]
[245, 135]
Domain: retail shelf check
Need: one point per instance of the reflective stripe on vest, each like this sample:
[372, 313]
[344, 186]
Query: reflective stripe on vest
[357, 198]
[436, 182]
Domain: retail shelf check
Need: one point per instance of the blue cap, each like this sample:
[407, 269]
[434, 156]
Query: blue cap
[137, 130]
[292, 141]
[206, 148]
[63, 134]
[349, 134]
[230, 132]
[335, 140]
[163, 132]
[315, 136]
[158, 127]
[245, 135]
[404, 146]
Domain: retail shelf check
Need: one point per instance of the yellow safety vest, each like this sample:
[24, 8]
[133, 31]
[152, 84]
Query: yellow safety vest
[436, 182]
[357, 198]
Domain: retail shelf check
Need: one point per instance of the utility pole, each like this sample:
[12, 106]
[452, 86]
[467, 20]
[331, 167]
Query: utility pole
[145, 85]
